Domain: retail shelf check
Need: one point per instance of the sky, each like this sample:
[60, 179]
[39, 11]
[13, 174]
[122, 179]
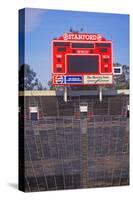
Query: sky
[42, 25]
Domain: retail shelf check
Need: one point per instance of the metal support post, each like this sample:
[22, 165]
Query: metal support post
[100, 93]
[65, 94]
[84, 152]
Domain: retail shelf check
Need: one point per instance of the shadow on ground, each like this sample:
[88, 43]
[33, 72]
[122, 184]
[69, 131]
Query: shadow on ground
[13, 185]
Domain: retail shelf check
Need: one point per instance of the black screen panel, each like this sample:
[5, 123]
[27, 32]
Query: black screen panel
[103, 50]
[82, 45]
[117, 70]
[61, 49]
[82, 63]
[103, 44]
[62, 44]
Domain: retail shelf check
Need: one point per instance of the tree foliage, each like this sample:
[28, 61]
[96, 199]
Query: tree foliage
[28, 79]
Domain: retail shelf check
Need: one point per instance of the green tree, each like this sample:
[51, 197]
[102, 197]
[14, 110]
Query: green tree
[53, 87]
[28, 79]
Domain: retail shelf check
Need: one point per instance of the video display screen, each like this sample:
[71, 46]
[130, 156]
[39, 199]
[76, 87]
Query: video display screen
[82, 63]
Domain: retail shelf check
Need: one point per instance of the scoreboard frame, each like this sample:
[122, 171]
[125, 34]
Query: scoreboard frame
[65, 78]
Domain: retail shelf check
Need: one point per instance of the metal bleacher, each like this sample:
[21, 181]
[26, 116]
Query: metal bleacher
[55, 106]
[63, 151]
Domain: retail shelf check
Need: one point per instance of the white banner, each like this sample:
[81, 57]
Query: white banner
[83, 108]
[33, 109]
[98, 79]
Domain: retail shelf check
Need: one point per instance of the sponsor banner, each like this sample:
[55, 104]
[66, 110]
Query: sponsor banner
[81, 80]
[73, 79]
[98, 79]
[59, 79]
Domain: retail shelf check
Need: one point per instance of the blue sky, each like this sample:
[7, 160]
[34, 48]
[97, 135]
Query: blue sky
[41, 26]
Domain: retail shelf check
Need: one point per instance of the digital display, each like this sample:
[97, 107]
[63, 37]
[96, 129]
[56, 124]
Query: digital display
[82, 45]
[103, 45]
[61, 44]
[61, 49]
[103, 50]
[82, 63]
[117, 70]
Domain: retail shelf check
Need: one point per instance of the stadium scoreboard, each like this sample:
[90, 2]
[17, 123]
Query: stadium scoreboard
[82, 59]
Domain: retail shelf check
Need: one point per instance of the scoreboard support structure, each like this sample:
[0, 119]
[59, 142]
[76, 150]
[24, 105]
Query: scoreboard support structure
[100, 94]
[65, 94]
